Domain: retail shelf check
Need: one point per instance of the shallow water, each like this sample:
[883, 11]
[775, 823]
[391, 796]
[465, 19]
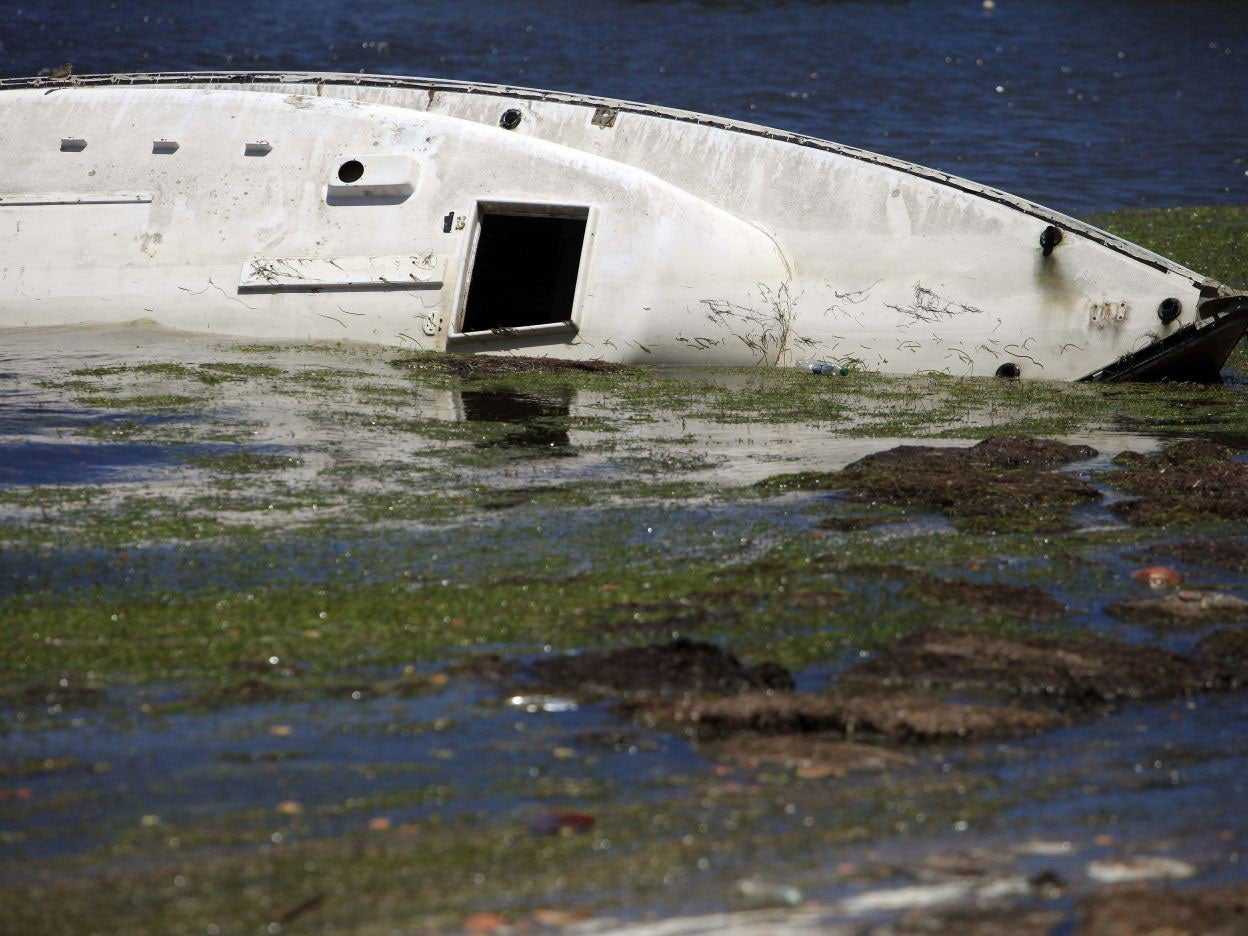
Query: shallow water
[1154, 780]
[540, 440]
[392, 522]
[1082, 107]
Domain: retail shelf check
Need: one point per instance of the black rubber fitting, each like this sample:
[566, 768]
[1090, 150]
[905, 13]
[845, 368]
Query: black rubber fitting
[510, 119]
[1050, 237]
[1009, 371]
[1169, 310]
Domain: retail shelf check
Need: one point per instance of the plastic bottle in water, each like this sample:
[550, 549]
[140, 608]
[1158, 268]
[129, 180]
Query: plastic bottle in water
[829, 369]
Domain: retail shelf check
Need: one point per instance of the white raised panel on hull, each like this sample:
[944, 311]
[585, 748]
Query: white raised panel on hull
[298, 274]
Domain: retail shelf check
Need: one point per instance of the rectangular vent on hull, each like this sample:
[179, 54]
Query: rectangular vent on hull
[525, 270]
[73, 144]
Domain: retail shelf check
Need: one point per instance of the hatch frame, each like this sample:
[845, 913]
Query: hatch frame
[468, 254]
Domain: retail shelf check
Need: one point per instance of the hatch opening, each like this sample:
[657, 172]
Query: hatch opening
[525, 267]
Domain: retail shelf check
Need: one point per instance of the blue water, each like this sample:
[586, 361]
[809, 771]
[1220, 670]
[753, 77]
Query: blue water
[24, 463]
[536, 541]
[1080, 106]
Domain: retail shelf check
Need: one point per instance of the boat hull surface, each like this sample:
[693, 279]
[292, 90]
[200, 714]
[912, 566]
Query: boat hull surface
[487, 219]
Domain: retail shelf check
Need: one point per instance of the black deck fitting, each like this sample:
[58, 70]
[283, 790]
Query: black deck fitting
[1050, 237]
[1169, 310]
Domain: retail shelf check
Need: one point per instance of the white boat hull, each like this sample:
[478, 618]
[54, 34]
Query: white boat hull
[478, 218]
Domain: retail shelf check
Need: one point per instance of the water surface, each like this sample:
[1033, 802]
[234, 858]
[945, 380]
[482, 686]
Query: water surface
[1081, 107]
[264, 603]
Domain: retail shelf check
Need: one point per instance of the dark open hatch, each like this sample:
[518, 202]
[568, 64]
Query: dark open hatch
[525, 269]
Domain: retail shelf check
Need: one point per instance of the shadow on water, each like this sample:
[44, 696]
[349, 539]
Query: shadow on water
[533, 422]
[24, 463]
[34, 453]
[45, 445]
[16, 420]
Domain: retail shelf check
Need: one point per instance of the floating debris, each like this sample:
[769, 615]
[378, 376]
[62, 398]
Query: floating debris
[755, 894]
[1141, 868]
[561, 822]
[680, 667]
[542, 703]
[1210, 911]
[1158, 577]
[1186, 608]
[851, 713]
[1071, 671]
[1189, 481]
[811, 757]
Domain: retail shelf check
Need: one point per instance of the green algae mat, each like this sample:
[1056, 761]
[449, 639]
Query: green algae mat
[337, 638]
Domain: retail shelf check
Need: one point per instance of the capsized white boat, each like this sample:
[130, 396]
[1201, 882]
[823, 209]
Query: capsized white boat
[480, 218]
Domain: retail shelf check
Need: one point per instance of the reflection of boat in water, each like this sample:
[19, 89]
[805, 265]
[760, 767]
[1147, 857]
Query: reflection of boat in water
[535, 422]
[481, 218]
